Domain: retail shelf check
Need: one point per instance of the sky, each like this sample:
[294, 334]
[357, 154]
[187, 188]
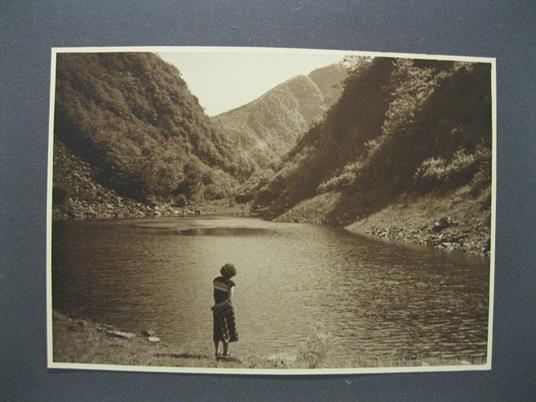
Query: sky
[224, 79]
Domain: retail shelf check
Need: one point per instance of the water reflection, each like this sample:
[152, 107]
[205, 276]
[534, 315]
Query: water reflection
[370, 299]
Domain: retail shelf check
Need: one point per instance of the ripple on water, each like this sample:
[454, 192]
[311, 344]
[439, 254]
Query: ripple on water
[367, 298]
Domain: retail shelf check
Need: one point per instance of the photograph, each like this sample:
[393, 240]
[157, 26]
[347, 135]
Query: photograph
[284, 211]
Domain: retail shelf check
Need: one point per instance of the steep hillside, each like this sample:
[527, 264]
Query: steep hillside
[332, 143]
[401, 128]
[132, 119]
[77, 195]
[268, 127]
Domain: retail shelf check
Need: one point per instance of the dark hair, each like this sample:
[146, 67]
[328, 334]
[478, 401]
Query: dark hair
[228, 271]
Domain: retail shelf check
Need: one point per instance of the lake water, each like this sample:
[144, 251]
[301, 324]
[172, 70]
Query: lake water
[364, 298]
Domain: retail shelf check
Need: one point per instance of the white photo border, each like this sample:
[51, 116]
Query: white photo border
[51, 364]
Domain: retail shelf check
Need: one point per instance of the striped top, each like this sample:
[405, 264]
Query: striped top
[222, 288]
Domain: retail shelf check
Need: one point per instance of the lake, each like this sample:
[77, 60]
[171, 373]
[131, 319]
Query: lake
[296, 284]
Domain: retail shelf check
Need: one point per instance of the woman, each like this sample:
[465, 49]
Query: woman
[223, 312]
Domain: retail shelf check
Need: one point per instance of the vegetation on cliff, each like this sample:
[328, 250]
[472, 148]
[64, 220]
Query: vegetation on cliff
[401, 127]
[131, 117]
[129, 126]
[336, 146]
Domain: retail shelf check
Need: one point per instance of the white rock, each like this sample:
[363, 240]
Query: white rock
[120, 334]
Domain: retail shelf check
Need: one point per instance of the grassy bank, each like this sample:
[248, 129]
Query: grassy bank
[77, 340]
[454, 221]
[82, 341]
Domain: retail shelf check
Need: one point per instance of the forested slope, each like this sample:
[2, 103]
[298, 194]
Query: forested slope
[129, 134]
[132, 119]
[401, 128]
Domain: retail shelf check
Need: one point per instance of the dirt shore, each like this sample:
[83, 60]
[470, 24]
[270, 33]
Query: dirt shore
[81, 341]
[455, 221]
[77, 340]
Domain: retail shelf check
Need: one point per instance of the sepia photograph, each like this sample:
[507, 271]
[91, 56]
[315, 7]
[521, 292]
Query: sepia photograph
[270, 211]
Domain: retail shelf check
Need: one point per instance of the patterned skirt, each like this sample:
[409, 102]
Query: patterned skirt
[224, 324]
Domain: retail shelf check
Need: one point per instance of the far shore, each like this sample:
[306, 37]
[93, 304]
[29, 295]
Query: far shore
[451, 224]
[455, 222]
[81, 211]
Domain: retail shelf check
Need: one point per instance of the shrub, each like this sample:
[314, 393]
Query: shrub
[341, 182]
[180, 201]
[431, 171]
[372, 145]
[438, 172]
[213, 192]
[244, 198]
[482, 178]
[412, 86]
[314, 353]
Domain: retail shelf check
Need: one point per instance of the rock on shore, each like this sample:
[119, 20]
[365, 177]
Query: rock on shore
[448, 240]
[456, 222]
[451, 221]
[87, 342]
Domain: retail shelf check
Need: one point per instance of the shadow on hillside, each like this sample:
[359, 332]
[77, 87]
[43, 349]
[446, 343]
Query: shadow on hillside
[356, 206]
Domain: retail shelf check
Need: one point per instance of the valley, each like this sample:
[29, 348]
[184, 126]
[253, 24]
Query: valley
[356, 144]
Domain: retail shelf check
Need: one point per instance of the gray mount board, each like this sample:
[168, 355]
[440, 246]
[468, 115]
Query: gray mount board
[500, 29]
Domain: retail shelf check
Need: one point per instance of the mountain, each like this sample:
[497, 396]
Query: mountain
[377, 145]
[132, 119]
[401, 128]
[265, 129]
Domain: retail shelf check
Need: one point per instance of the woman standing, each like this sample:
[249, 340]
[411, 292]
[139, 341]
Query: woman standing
[223, 312]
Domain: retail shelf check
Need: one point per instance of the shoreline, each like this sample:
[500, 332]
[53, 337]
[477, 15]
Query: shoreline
[445, 226]
[80, 340]
[87, 212]
[450, 223]
[447, 242]
[454, 222]
[77, 340]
